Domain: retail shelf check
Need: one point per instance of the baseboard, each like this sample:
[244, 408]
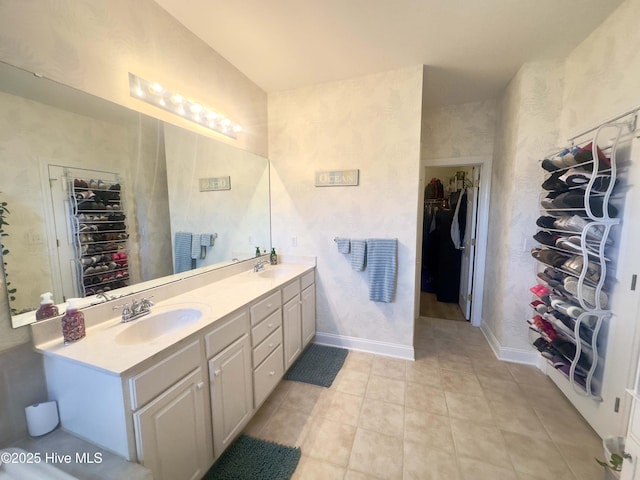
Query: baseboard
[513, 355]
[395, 350]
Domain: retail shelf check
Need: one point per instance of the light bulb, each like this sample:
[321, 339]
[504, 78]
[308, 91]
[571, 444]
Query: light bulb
[176, 98]
[237, 128]
[196, 108]
[156, 88]
[139, 92]
[181, 110]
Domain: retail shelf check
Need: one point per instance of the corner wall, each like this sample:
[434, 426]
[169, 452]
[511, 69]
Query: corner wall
[370, 123]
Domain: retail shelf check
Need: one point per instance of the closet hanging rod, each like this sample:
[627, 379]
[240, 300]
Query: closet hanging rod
[632, 123]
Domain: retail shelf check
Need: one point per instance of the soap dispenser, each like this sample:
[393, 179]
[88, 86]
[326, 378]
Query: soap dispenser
[72, 322]
[258, 252]
[47, 308]
[273, 258]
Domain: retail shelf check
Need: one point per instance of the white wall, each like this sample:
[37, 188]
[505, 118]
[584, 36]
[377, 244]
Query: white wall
[370, 123]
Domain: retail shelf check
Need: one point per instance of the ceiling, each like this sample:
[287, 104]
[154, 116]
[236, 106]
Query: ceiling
[471, 48]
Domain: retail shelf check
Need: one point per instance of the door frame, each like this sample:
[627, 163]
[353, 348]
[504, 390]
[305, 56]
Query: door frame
[482, 227]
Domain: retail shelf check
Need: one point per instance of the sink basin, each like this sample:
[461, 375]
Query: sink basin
[155, 325]
[274, 272]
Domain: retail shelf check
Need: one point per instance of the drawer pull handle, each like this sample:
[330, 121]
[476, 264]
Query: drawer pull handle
[270, 325]
[269, 305]
[216, 373]
[199, 385]
[271, 345]
[627, 456]
[272, 373]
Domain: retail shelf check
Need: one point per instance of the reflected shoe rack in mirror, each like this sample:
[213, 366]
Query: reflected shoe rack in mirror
[99, 231]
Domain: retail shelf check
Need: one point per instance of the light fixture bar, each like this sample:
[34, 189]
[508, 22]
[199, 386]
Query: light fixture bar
[155, 94]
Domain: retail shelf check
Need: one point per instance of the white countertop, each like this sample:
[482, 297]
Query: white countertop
[101, 350]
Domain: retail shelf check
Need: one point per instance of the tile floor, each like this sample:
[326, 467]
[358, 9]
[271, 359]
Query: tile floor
[456, 413]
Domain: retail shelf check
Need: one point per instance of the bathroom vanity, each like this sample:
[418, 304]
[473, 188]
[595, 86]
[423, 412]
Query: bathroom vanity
[173, 389]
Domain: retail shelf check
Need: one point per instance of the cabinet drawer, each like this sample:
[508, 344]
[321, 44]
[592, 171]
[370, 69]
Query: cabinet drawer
[226, 332]
[308, 279]
[155, 380]
[290, 290]
[264, 307]
[267, 376]
[266, 327]
[263, 350]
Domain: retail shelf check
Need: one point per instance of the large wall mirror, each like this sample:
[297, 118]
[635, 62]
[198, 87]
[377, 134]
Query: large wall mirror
[148, 183]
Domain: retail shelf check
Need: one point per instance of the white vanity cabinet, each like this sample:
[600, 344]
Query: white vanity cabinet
[170, 416]
[292, 322]
[266, 341]
[308, 310]
[230, 378]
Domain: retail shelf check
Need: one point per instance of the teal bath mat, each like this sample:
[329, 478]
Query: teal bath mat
[250, 458]
[317, 365]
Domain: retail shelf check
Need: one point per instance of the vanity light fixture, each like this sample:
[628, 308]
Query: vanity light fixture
[154, 94]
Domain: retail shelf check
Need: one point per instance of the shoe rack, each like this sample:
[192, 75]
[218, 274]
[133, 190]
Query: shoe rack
[100, 234]
[574, 254]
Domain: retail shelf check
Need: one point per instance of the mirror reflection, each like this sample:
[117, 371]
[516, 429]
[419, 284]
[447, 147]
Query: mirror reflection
[96, 195]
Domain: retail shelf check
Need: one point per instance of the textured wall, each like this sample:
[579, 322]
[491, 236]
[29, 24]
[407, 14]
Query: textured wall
[93, 44]
[603, 73]
[370, 123]
[527, 129]
[461, 130]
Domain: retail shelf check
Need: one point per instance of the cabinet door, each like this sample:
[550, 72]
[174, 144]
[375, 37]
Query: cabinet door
[231, 392]
[308, 314]
[291, 320]
[171, 431]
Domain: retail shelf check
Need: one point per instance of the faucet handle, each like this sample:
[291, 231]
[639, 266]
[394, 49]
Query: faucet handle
[146, 303]
[126, 311]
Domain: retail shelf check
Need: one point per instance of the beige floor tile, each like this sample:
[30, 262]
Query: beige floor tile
[302, 397]
[460, 382]
[537, 458]
[288, 427]
[567, 427]
[329, 441]
[377, 454]
[518, 418]
[280, 392]
[480, 352]
[471, 335]
[529, 375]
[312, 469]
[389, 367]
[477, 470]
[424, 463]
[428, 429]
[353, 382]
[502, 390]
[386, 389]
[581, 460]
[468, 407]
[359, 362]
[382, 417]
[492, 369]
[339, 407]
[355, 475]
[479, 442]
[424, 374]
[455, 361]
[426, 399]
[260, 419]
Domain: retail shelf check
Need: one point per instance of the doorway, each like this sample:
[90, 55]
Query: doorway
[453, 238]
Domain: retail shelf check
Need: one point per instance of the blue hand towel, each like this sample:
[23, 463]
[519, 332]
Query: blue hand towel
[195, 246]
[382, 268]
[344, 245]
[358, 254]
[182, 247]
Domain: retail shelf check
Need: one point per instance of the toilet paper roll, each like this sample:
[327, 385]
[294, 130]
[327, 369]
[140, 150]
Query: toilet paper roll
[41, 418]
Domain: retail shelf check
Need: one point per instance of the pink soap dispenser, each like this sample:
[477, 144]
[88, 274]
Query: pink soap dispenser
[72, 322]
[47, 308]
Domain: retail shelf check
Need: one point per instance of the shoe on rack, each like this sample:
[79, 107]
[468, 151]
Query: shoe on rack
[546, 221]
[555, 183]
[545, 238]
[549, 257]
[588, 293]
[566, 308]
[575, 266]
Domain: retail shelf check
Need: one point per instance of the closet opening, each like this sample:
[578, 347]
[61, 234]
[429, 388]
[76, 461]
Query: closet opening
[455, 219]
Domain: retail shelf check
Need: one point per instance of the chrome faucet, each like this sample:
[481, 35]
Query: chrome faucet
[259, 265]
[138, 308]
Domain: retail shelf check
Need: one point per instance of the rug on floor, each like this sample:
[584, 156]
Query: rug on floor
[250, 458]
[317, 365]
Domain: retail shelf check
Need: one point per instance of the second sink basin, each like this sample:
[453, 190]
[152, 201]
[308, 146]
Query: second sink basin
[155, 325]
